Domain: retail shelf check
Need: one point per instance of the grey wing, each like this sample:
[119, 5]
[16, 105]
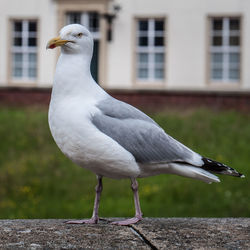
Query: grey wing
[140, 135]
[121, 110]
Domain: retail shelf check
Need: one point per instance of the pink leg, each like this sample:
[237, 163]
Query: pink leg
[94, 219]
[138, 213]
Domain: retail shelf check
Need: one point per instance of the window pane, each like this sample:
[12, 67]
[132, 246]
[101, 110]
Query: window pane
[32, 42]
[159, 25]
[32, 26]
[93, 21]
[143, 73]
[18, 58]
[217, 24]
[32, 58]
[143, 25]
[74, 17]
[159, 58]
[234, 40]
[143, 41]
[159, 41]
[217, 74]
[217, 41]
[234, 24]
[143, 57]
[217, 57]
[234, 74]
[17, 72]
[17, 41]
[24, 40]
[150, 61]
[18, 26]
[234, 57]
[225, 63]
[159, 74]
[32, 72]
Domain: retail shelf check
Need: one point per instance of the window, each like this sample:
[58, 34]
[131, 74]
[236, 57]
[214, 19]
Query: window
[225, 49]
[150, 50]
[91, 21]
[24, 50]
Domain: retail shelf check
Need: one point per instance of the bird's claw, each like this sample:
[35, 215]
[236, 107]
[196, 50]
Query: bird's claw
[127, 222]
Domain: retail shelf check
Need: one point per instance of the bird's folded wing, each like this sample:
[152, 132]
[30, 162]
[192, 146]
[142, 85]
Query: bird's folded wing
[121, 110]
[140, 135]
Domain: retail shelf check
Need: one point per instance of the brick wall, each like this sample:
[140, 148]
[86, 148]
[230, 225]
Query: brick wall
[148, 100]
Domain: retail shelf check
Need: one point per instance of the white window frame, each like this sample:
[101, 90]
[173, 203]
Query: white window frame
[84, 20]
[225, 49]
[25, 50]
[150, 50]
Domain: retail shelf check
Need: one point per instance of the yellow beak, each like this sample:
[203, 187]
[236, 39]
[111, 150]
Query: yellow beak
[55, 42]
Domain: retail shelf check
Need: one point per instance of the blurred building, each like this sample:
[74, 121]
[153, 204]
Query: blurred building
[139, 44]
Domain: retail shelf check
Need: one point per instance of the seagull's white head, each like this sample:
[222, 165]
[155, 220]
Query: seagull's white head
[73, 39]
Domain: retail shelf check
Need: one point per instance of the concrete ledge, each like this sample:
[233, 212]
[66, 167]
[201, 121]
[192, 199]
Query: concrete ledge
[152, 233]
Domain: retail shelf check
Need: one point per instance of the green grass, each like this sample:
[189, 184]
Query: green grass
[38, 181]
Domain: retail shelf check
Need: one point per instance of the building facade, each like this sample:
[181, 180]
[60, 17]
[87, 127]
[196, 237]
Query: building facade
[139, 44]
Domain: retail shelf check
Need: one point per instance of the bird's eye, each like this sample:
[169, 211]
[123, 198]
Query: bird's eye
[79, 35]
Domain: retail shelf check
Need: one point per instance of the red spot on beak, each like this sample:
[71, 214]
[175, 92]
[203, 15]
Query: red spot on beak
[52, 46]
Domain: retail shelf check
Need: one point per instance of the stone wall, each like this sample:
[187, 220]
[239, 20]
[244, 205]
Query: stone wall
[151, 233]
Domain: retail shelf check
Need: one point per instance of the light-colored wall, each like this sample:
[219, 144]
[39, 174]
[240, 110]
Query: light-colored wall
[45, 12]
[186, 26]
[186, 40]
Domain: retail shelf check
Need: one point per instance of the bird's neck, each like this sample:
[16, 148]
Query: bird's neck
[73, 77]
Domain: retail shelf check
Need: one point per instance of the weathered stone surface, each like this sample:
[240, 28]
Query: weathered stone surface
[154, 233]
[54, 234]
[196, 233]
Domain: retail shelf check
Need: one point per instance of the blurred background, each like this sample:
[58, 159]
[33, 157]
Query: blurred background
[185, 63]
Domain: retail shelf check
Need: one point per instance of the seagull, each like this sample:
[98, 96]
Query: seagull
[109, 137]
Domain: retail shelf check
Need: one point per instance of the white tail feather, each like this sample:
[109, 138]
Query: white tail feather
[193, 172]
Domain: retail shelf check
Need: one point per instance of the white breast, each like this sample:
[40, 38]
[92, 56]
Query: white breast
[76, 136]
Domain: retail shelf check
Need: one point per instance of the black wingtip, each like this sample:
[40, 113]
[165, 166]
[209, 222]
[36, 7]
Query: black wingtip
[219, 168]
